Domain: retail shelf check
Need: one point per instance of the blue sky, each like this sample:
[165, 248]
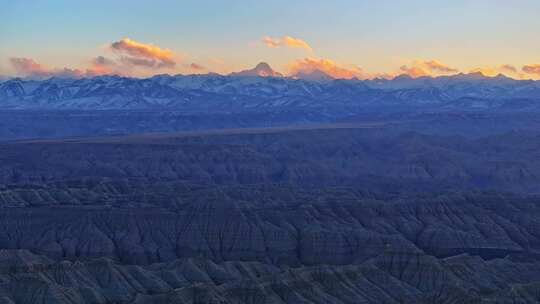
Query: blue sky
[375, 36]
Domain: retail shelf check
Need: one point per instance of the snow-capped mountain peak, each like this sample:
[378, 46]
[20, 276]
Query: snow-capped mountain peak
[314, 75]
[262, 69]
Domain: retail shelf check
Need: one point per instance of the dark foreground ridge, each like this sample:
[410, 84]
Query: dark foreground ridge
[347, 213]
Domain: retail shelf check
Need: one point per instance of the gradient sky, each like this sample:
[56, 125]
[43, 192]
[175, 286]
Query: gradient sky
[375, 37]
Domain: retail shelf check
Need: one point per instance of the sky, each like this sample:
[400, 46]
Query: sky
[344, 38]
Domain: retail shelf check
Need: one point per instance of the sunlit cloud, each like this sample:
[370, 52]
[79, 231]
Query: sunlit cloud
[28, 67]
[129, 58]
[329, 67]
[143, 62]
[421, 68]
[436, 66]
[533, 69]
[145, 55]
[414, 71]
[286, 41]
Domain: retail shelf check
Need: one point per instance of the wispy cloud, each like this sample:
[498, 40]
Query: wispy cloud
[309, 65]
[286, 41]
[141, 54]
[140, 62]
[197, 67]
[504, 69]
[103, 61]
[28, 67]
[508, 68]
[101, 65]
[194, 67]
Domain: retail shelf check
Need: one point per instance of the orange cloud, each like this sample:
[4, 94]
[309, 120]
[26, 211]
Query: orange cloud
[286, 41]
[28, 67]
[421, 68]
[146, 55]
[130, 54]
[329, 67]
[532, 69]
[414, 71]
[436, 66]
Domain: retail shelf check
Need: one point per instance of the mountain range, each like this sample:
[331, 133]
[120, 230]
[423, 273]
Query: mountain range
[264, 88]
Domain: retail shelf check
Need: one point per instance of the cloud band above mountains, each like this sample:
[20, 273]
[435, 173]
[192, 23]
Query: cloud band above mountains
[329, 67]
[30, 68]
[427, 68]
[128, 54]
[140, 54]
[128, 57]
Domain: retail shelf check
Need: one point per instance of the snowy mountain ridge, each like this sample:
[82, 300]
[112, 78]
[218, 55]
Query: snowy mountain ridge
[263, 87]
